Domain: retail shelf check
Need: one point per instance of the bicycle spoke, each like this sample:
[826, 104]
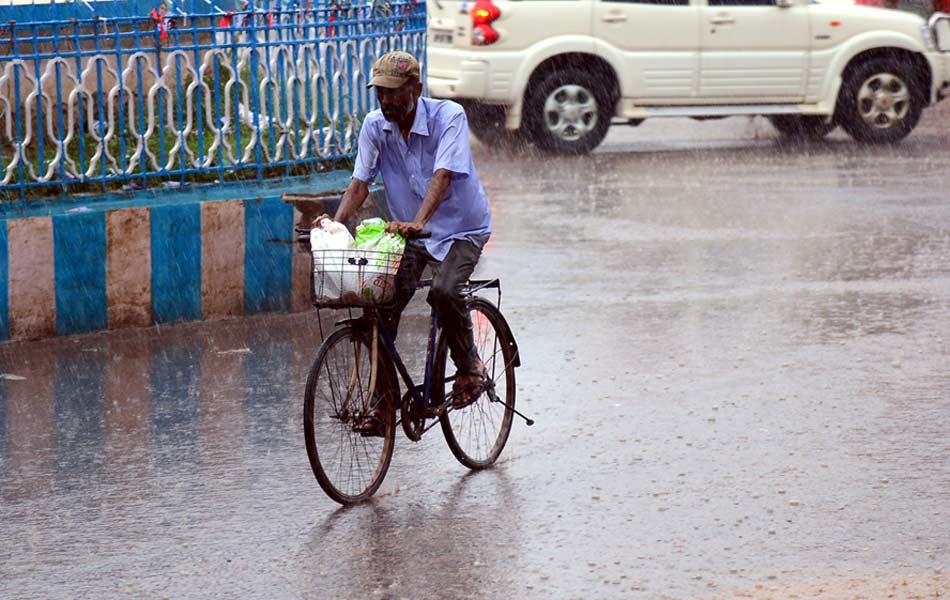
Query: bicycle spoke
[348, 465]
[478, 432]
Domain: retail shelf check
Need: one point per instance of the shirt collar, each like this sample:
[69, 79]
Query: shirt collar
[420, 126]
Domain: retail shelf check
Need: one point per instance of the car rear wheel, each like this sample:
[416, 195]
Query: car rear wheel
[487, 123]
[880, 102]
[570, 112]
[801, 128]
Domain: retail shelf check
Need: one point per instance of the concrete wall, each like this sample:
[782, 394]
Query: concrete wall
[93, 269]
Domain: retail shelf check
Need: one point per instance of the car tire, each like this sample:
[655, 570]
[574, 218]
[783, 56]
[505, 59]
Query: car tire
[487, 123]
[569, 112]
[880, 101]
[802, 128]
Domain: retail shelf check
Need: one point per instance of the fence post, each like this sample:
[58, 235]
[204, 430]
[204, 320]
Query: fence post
[80, 126]
[21, 183]
[255, 103]
[100, 122]
[40, 152]
[60, 125]
[121, 98]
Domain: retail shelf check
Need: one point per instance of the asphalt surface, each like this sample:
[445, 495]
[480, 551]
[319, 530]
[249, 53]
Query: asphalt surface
[736, 352]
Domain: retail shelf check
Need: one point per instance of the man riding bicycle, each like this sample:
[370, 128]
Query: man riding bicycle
[420, 146]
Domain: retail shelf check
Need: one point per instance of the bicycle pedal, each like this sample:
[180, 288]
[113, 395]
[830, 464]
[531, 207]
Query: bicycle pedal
[434, 412]
[378, 431]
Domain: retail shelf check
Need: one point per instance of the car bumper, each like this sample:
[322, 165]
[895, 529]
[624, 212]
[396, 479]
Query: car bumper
[943, 86]
[483, 76]
[940, 69]
[453, 76]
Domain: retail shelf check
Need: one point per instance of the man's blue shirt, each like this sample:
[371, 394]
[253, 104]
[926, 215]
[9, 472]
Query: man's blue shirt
[438, 140]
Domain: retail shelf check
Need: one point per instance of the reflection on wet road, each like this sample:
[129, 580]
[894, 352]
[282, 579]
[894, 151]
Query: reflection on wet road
[736, 353]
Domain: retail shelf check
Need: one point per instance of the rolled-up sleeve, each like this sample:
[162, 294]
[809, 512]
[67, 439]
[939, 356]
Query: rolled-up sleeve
[455, 152]
[366, 167]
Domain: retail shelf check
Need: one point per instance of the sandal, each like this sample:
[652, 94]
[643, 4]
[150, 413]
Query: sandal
[371, 424]
[466, 395]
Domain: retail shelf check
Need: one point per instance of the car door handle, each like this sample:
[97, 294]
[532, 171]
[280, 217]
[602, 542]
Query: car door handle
[722, 21]
[615, 18]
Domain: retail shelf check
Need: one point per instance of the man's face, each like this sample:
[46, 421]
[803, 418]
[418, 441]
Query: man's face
[398, 103]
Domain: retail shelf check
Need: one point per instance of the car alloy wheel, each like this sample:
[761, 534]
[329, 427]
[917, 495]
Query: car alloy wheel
[570, 112]
[884, 100]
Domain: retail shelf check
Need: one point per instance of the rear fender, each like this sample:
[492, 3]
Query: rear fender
[505, 328]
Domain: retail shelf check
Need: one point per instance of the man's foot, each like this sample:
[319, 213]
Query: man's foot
[469, 386]
[371, 424]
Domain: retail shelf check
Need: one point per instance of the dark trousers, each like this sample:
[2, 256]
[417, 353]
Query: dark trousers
[445, 296]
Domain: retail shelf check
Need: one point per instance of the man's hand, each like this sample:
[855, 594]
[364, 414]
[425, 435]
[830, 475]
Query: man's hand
[409, 231]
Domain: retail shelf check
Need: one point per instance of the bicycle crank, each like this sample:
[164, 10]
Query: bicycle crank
[413, 426]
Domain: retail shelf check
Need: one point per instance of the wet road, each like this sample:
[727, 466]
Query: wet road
[736, 353]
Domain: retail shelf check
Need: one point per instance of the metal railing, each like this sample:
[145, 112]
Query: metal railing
[197, 98]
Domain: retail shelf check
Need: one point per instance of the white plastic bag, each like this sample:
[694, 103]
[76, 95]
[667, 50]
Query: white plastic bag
[331, 236]
[336, 278]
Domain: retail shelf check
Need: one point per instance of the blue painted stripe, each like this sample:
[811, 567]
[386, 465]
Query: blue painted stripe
[175, 399]
[268, 264]
[176, 263]
[79, 260]
[79, 408]
[4, 283]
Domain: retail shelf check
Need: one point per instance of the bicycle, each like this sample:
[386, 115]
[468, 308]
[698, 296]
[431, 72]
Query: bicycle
[353, 373]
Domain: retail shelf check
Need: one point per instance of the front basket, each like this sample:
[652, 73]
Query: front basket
[354, 278]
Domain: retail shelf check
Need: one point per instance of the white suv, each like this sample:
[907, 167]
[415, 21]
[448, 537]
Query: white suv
[560, 71]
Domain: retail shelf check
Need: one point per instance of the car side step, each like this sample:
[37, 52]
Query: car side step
[725, 110]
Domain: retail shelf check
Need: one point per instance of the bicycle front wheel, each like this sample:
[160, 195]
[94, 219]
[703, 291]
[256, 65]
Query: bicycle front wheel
[478, 433]
[341, 389]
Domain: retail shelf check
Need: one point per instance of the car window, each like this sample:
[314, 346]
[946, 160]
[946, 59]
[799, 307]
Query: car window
[654, 2]
[741, 2]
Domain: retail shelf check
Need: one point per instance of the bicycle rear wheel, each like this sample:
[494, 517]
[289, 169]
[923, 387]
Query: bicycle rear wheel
[341, 389]
[478, 433]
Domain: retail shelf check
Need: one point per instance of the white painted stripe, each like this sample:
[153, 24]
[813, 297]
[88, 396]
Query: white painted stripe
[222, 259]
[300, 275]
[127, 403]
[30, 428]
[129, 268]
[32, 281]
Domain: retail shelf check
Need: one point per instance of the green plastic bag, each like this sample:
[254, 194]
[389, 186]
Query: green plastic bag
[384, 252]
[371, 235]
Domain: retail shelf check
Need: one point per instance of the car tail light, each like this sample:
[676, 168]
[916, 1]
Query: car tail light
[483, 14]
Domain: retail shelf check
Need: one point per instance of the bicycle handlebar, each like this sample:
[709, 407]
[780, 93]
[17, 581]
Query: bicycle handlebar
[303, 235]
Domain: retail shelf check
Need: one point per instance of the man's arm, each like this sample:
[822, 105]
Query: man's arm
[436, 192]
[353, 199]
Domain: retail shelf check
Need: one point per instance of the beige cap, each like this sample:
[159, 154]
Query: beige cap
[394, 69]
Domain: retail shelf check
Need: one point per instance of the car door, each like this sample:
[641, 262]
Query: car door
[656, 44]
[754, 51]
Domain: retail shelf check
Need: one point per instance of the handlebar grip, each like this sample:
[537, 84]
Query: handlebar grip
[420, 236]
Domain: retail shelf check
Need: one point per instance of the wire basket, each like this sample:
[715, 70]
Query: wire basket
[354, 278]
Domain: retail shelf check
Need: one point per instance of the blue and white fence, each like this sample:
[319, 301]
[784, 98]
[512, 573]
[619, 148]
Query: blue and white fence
[137, 101]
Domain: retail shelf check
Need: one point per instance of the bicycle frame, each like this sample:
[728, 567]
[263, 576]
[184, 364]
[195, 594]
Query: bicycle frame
[420, 402]
[423, 401]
